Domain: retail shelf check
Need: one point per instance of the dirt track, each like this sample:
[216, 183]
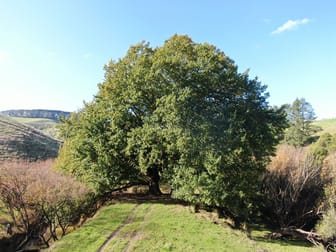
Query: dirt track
[114, 234]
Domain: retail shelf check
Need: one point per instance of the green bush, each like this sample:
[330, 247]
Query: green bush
[327, 226]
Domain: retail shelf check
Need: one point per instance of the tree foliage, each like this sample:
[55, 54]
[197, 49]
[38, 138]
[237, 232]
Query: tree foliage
[181, 112]
[324, 151]
[301, 116]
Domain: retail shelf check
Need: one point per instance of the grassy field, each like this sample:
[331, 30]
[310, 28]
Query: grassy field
[161, 227]
[328, 125]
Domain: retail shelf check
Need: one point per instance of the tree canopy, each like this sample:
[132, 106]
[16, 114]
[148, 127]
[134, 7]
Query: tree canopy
[301, 115]
[180, 112]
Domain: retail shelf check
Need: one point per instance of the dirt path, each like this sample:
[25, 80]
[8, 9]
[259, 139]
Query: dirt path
[137, 235]
[137, 199]
[117, 231]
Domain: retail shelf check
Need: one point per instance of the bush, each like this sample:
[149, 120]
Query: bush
[41, 201]
[292, 188]
[327, 226]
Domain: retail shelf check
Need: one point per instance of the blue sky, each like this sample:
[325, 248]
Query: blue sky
[52, 53]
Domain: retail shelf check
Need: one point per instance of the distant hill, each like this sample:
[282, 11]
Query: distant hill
[36, 113]
[19, 141]
[327, 125]
[47, 126]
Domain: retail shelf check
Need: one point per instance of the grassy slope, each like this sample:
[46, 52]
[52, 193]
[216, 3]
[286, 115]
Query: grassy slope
[158, 227]
[328, 125]
[18, 141]
[47, 126]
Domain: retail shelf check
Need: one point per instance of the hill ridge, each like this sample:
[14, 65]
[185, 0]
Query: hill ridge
[36, 113]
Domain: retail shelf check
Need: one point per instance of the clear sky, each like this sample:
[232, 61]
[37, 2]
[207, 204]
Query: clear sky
[52, 53]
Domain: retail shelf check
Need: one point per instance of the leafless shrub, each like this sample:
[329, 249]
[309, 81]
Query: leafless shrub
[292, 187]
[41, 201]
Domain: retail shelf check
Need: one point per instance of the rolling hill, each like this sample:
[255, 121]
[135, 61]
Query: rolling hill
[47, 126]
[19, 141]
[41, 119]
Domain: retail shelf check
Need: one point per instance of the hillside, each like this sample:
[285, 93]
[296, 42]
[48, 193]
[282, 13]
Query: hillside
[327, 125]
[24, 142]
[41, 119]
[36, 113]
[47, 126]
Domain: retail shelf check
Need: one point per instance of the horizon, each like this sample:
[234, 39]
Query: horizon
[52, 54]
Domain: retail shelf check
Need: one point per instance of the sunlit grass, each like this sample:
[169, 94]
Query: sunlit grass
[260, 235]
[47, 126]
[93, 233]
[174, 228]
[328, 125]
[130, 233]
[159, 227]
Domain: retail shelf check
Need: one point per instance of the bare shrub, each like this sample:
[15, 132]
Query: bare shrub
[41, 201]
[292, 187]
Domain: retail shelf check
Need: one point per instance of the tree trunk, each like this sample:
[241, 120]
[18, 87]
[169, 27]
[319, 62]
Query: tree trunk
[154, 183]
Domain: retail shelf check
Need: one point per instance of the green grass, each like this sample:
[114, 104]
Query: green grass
[130, 231]
[47, 126]
[95, 231]
[159, 227]
[328, 125]
[174, 228]
[260, 234]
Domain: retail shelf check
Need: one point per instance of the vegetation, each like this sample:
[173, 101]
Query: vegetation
[18, 141]
[41, 202]
[299, 191]
[324, 151]
[159, 227]
[327, 125]
[293, 186]
[327, 226]
[301, 116]
[94, 233]
[181, 113]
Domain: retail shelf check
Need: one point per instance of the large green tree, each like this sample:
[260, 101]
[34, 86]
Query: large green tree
[181, 112]
[301, 115]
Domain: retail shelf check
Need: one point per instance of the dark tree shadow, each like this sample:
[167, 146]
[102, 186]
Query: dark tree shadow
[260, 233]
[145, 198]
